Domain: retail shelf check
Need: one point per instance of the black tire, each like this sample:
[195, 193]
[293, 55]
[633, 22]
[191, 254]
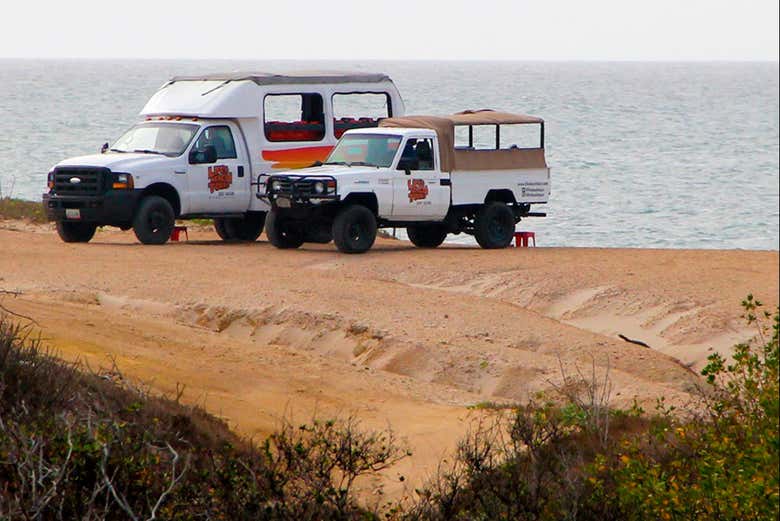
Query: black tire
[494, 226]
[282, 232]
[354, 229]
[247, 228]
[154, 220]
[427, 235]
[219, 227]
[76, 232]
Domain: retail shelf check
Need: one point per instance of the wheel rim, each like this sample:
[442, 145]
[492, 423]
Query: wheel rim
[497, 229]
[156, 220]
[355, 232]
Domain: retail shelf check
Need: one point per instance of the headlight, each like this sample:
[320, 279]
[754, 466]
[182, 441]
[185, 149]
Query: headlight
[276, 186]
[319, 187]
[122, 182]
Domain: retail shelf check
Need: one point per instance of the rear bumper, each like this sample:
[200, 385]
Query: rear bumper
[114, 208]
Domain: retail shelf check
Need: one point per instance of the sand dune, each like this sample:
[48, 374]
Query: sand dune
[399, 336]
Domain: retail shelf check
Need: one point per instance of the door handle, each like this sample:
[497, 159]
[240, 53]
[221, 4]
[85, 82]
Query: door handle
[240, 171]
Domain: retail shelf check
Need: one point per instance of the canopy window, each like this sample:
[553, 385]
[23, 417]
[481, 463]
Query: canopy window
[468, 157]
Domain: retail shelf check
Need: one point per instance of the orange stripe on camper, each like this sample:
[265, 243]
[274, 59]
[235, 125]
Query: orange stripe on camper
[296, 157]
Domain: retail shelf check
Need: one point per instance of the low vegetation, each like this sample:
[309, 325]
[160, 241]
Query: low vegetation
[76, 445]
[32, 211]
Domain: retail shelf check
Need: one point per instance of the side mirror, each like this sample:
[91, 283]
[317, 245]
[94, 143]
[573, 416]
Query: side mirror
[104, 148]
[408, 164]
[207, 154]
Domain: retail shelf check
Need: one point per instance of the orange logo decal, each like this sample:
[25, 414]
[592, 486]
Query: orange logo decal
[220, 178]
[417, 189]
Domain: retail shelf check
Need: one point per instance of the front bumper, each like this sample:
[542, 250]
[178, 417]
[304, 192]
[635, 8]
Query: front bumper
[296, 191]
[114, 208]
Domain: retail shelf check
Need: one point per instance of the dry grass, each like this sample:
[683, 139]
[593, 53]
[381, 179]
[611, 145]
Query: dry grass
[19, 209]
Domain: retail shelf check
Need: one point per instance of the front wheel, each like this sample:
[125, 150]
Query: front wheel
[282, 232]
[247, 228]
[354, 229]
[494, 226]
[76, 232]
[427, 235]
[154, 220]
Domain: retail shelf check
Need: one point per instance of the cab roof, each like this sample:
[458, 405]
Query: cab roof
[289, 78]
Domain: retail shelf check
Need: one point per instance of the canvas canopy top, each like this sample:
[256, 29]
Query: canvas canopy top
[460, 159]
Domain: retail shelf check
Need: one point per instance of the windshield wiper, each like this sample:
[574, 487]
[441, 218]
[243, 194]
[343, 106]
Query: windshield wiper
[335, 163]
[146, 151]
[117, 150]
[361, 163]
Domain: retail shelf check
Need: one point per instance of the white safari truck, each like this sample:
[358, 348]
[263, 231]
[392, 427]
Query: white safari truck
[202, 145]
[410, 172]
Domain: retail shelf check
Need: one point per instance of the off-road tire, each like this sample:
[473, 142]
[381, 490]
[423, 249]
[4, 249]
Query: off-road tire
[354, 229]
[246, 228]
[427, 235]
[154, 220]
[494, 226]
[281, 232]
[76, 232]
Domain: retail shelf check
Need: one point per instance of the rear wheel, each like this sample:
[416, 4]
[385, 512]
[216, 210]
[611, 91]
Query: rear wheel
[354, 229]
[154, 220]
[219, 227]
[76, 232]
[427, 235]
[494, 226]
[283, 232]
[247, 228]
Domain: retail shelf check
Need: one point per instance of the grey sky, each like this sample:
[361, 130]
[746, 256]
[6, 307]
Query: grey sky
[401, 29]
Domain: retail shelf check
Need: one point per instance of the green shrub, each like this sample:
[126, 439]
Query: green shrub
[721, 463]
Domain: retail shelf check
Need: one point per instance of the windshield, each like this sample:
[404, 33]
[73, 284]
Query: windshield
[170, 139]
[365, 149]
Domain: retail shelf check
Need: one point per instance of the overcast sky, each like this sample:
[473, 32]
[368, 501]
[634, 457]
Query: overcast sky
[398, 29]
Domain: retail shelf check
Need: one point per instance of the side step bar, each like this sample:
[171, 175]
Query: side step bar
[535, 214]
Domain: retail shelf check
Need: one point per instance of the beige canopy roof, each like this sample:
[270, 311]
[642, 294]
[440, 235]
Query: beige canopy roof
[492, 117]
[452, 159]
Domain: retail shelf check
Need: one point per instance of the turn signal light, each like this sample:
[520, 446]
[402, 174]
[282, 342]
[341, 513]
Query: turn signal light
[123, 182]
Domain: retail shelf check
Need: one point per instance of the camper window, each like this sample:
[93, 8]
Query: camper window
[359, 110]
[294, 117]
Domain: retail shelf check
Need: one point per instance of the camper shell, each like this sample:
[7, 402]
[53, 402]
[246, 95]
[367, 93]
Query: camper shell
[231, 130]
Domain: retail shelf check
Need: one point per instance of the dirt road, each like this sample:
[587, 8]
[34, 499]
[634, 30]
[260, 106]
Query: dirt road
[399, 336]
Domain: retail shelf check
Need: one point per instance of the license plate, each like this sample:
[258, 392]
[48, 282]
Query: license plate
[72, 213]
[283, 202]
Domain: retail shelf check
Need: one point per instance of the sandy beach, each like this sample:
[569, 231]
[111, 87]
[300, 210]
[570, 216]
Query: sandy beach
[399, 336]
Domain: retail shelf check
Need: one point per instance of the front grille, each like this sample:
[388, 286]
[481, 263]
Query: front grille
[294, 188]
[79, 180]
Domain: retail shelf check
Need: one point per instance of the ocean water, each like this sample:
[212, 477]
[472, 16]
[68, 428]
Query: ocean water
[669, 155]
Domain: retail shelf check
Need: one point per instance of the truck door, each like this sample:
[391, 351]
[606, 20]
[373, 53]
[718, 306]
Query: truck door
[418, 194]
[221, 186]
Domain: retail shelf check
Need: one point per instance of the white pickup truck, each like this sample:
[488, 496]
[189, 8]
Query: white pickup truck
[202, 145]
[409, 173]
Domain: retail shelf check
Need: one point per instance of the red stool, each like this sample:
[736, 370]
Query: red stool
[521, 239]
[176, 232]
